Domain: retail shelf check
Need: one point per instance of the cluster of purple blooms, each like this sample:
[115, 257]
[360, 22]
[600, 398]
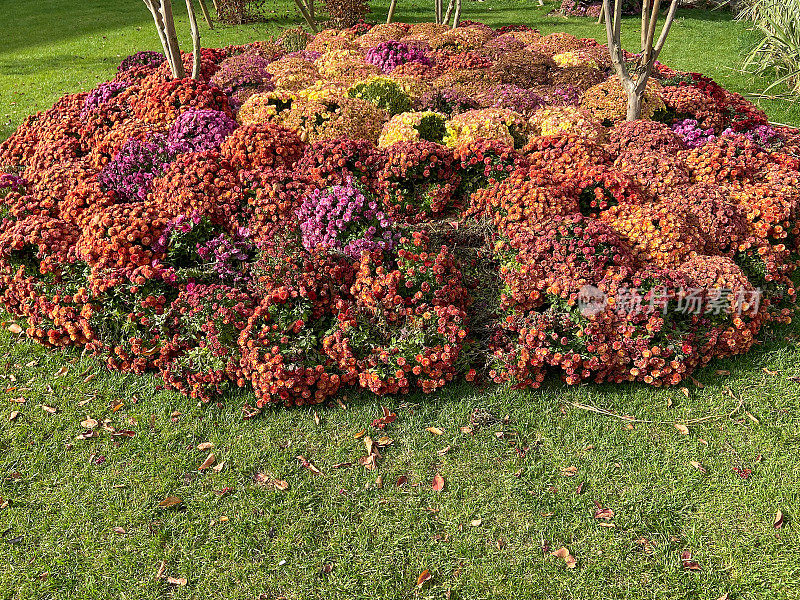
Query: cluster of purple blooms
[102, 94]
[345, 219]
[132, 170]
[566, 96]
[12, 182]
[391, 54]
[199, 130]
[309, 55]
[449, 101]
[242, 75]
[521, 100]
[145, 58]
[227, 255]
[692, 134]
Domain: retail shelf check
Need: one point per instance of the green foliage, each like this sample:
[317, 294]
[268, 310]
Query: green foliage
[383, 92]
[778, 52]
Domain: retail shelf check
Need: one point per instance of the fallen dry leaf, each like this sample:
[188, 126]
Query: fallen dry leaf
[161, 570]
[685, 391]
[438, 483]
[89, 423]
[724, 596]
[118, 530]
[308, 465]
[476, 522]
[62, 371]
[722, 372]
[682, 428]
[435, 430]
[359, 433]
[13, 416]
[170, 501]
[424, 577]
[466, 429]
[777, 523]
[570, 471]
[688, 563]
[342, 465]
[14, 328]
[443, 451]
[563, 553]
[19, 400]
[280, 485]
[49, 409]
[316, 418]
[402, 480]
[697, 466]
[210, 460]
[768, 372]
[205, 446]
[379, 482]
[603, 513]
[218, 467]
[176, 580]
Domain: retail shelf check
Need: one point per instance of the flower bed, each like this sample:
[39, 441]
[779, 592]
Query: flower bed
[395, 207]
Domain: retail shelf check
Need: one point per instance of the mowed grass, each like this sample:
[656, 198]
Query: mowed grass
[83, 519]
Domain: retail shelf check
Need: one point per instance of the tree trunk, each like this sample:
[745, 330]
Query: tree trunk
[178, 71]
[635, 99]
[448, 12]
[457, 16]
[390, 16]
[206, 15]
[216, 7]
[437, 4]
[196, 54]
[309, 19]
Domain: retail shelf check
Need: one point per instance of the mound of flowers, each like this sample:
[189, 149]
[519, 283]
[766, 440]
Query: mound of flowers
[396, 207]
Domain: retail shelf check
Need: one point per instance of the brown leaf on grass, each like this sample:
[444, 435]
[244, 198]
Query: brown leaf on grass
[261, 479]
[14, 328]
[696, 383]
[685, 391]
[570, 471]
[424, 577]
[369, 462]
[402, 480]
[210, 460]
[62, 371]
[443, 451]
[161, 570]
[176, 581]
[688, 563]
[384, 441]
[602, 513]
[118, 530]
[768, 372]
[434, 430]
[316, 418]
[205, 446]
[49, 409]
[342, 465]
[218, 467]
[684, 430]
[579, 489]
[476, 522]
[19, 400]
[467, 430]
[564, 554]
[438, 483]
[13, 416]
[722, 372]
[280, 485]
[777, 522]
[170, 501]
[359, 433]
[89, 423]
[697, 466]
[724, 596]
[752, 418]
[308, 465]
[87, 435]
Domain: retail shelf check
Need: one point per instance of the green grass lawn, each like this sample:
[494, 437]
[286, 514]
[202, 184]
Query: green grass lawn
[83, 519]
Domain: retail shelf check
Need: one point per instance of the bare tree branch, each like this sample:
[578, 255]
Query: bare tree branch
[206, 15]
[390, 16]
[196, 54]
